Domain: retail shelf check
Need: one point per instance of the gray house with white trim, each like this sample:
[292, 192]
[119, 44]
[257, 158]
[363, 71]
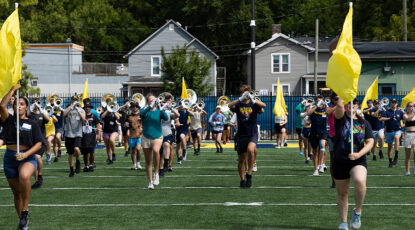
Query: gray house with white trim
[144, 61]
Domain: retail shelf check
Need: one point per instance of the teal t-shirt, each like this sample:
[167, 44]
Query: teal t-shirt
[298, 110]
[152, 122]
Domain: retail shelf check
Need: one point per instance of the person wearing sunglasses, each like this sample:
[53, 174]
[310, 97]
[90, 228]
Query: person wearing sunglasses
[393, 117]
[350, 163]
[409, 140]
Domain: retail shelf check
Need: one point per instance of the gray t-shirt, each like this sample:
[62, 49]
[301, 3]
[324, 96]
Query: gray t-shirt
[166, 124]
[73, 124]
[195, 121]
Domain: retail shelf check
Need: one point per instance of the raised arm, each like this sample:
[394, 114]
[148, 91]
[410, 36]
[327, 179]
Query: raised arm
[339, 109]
[3, 105]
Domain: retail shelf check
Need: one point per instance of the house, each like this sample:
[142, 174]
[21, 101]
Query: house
[292, 60]
[144, 60]
[58, 69]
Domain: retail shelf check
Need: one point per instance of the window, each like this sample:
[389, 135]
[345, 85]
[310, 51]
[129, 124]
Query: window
[155, 66]
[285, 89]
[34, 82]
[171, 27]
[280, 63]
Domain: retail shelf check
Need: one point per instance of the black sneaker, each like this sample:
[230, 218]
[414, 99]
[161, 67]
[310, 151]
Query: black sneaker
[242, 184]
[248, 180]
[113, 157]
[93, 165]
[71, 174]
[161, 172]
[390, 164]
[110, 162]
[86, 169]
[127, 153]
[374, 157]
[170, 169]
[56, 159]
[217, 150]
[380, 155]
[24, 221]
[37, 184]
[333, 184]
[306, 161]
[91, 169]
[395, 160]
[78, 167]
[165, 166]
[285, 144]
[221, 150]
[59, 153]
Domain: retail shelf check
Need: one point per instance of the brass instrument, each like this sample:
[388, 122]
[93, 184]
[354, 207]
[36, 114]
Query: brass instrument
[192, 96]
[327, 100]
[36, 105]
[49, 110]
[113, 107]
[99, 110]
[186, 103]
[106, 99]
[384, 101]
[200, 105]
[140, 99]
[223, 102]
[173, 104]
[76, 105]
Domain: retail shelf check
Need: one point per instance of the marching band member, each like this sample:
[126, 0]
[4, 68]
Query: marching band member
[306, 132]
[59, 129]
[217, 120]
[299, 109]
[409, 138]
[20, 166]
[196, 128]
[74, 117]
[135, 128]
[41, 117]
[226, 128]
[99, 137]
[168, 137]
[110, 132]
[152, 138]
[246, 108]
[124, 111]
[376, 112]
[91, 133]
[173, 131]
[392, 118]
[182, 127]
[281, 130]
[50, 136]
[318, 137]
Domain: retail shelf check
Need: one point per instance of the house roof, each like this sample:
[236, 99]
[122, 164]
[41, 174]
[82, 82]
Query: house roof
[193, 39]
[380, 50]
[281, 35]
[54, 46]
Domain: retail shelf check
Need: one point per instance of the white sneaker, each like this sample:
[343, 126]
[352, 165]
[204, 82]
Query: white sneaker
[254, 169]
[156, 179]
[407, 173]
[324, 167]
[315, 173]
[150, 185]
[278, 147]
[139, 166]
[134, 167]
[320, 168]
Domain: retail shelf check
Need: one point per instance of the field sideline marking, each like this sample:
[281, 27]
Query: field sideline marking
[226, 204]
[214, 187]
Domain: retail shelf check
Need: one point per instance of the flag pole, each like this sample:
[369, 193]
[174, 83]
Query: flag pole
[351, 126]
[16, 102]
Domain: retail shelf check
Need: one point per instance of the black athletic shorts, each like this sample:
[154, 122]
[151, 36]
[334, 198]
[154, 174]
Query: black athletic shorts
[315, 139]
[71, 143]
[243, 143]
[341, 171]
[42, 150]
[278, 128]
[85, 151]
[225, 127]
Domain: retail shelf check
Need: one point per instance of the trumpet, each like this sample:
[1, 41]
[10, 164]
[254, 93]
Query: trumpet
[49, 110]
[106, 99]
[99, 110]
[186, 103]
[173, 104]
[327, 100]
[113, 107]
[140, 99]
[384, 101]
[76, 105]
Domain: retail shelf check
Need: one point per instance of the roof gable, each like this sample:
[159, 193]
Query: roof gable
[283, 36]
[178, 26]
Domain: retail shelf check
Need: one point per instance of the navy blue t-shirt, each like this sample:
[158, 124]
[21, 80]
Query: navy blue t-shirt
[394, 124]
[246, 115]
[59, 116]
[183, 119]
[318, 121]
[374, 121]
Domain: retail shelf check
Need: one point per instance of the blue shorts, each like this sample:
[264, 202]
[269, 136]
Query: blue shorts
[133, 142]
[180, 131]
[169, 139]
[390, 136]
[217, 131]
[11, 165]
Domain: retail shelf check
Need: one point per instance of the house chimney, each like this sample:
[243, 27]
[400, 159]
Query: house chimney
[68, 40]
[276, 29]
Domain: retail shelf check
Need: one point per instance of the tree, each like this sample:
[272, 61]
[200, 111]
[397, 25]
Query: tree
[182, 62]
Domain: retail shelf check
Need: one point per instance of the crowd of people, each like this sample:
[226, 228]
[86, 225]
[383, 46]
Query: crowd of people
[156, 128]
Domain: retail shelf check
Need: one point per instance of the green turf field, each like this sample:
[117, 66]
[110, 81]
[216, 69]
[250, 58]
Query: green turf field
[203, 193]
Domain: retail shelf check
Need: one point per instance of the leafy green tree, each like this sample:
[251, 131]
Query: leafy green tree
[182, 62]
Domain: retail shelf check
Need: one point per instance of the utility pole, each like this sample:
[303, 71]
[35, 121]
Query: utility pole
[405, 26]
[316, 59]
[253, 44]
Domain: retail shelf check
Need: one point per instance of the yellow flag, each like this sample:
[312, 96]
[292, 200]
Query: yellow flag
[344, 66]
[85, 93]
[408, 98]
[279, 107]
[10, 54]
[371, 94]
[184, 90]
